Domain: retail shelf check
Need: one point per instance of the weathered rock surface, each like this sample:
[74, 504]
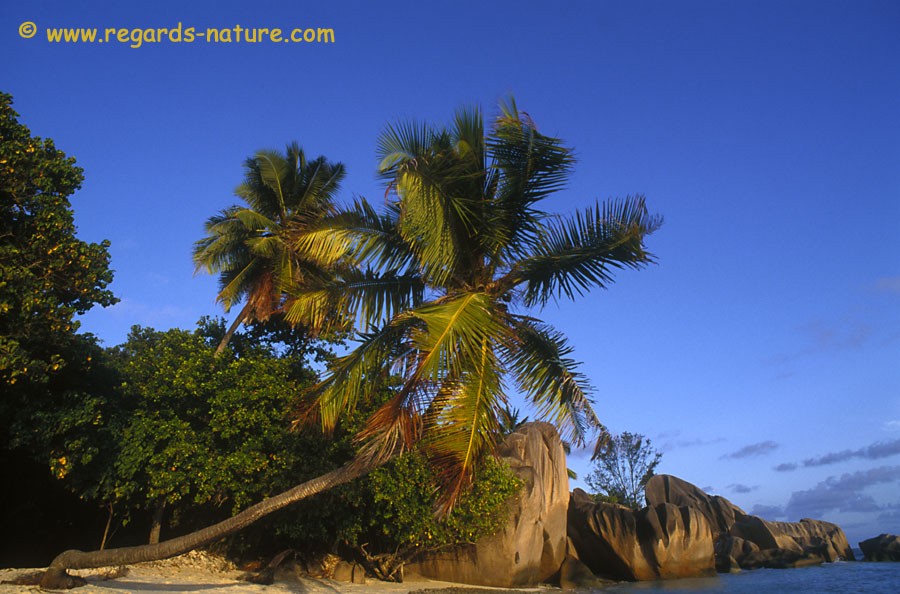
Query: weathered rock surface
[721, 513]
[659, 542]
[750, 541]
[885, 547]
[532, 547]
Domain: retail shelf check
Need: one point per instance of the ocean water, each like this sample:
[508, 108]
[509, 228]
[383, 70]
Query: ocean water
[839, 578]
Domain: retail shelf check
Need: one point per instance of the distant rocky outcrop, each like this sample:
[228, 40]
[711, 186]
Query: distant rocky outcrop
[748, 542]
[658, 542]
[885, 547]
[579, 543]
[532, 547]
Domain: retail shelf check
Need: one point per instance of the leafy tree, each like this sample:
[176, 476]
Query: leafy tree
[247, 245]
[53, 387]
[47, 275]
[204, 429]
[461, 248]
[623, 464]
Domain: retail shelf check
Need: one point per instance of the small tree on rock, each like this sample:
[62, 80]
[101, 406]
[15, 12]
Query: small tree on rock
[623, 464]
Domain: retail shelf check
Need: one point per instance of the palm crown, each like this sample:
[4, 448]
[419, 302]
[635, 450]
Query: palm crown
[247, 244]
[460, 252]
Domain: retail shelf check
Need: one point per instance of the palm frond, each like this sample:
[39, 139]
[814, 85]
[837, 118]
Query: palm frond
[393, 428]
[367, 296]
[465, 423]
[375, 296]
[267, 247]
[251, 220]
[358, 233]
[454, 331]
[530, 166]
[581, 252]
[400, 143]
[357, 375]
[427, 225]
[538, 357]
[235, 283]
[273, 169]
[468, 135]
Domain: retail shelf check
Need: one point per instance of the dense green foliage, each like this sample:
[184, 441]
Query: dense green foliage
[203, 429]
[623, 464]
[404, 496]
[53, 384]
[47, 275]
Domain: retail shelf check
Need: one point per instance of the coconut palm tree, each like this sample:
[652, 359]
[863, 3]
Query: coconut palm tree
[458, 259]
[246, 244]
[453, 265]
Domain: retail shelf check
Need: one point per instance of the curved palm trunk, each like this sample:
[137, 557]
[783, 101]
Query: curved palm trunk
[245, 312]
[56, 577]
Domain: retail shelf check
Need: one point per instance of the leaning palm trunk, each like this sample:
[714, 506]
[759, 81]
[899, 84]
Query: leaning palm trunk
[56, 577]
[243, 315]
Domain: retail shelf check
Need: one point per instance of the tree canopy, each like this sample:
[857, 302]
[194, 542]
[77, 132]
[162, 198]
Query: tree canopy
[47, 277]
[247, 244]
[48, 274]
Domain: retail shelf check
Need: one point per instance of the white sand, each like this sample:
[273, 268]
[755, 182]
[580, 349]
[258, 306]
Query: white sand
[171, 580]
[177, 575]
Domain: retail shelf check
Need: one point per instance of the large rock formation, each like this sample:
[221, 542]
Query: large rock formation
[746, 541]
[885, 547]
[721, 513]
[532, 546]
[658, 542]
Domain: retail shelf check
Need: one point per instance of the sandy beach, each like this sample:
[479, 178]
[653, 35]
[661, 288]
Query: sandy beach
[209, 575]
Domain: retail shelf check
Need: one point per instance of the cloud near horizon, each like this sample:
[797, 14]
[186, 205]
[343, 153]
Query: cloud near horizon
[767, 512]
[842, 494]
[875, 451]
[754, 449]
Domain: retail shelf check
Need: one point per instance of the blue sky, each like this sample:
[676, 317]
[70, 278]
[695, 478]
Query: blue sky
[761, 353]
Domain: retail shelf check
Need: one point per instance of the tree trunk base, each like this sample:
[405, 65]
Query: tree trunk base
[60, 579]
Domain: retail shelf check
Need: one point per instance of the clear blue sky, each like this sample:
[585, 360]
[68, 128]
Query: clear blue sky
[766, 133]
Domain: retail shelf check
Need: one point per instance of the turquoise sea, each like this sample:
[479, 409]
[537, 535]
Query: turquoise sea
[839, 578]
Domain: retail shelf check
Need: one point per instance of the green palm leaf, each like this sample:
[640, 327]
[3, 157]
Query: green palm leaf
[581, 252]
[539, 359]
[465, 423]
[530, 167]
[359, 374]
[454, 331]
